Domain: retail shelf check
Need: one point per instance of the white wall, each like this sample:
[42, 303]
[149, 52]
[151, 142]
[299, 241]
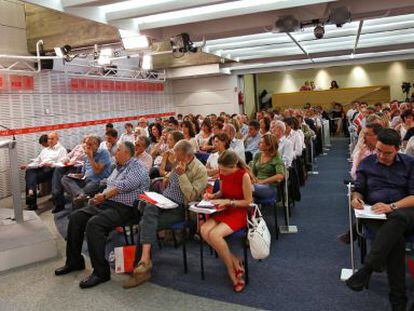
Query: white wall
[12, 27]
[392, 74]
[206, 95]
[52, 102]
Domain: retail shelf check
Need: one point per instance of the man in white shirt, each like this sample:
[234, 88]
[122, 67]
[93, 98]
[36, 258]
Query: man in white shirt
[285, 146]
[142, 128]
[42, 167]
[236, 145]
[129, 133]
[293, 136]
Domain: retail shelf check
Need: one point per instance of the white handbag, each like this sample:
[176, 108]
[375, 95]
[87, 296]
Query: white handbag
[258, 235]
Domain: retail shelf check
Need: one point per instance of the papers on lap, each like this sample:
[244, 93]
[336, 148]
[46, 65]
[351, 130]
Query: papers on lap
[204, 207]
[158, 200]
[368, 213]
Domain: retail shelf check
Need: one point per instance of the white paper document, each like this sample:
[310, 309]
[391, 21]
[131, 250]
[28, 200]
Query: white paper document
[368, 213]
[203, 207]
[162, 201]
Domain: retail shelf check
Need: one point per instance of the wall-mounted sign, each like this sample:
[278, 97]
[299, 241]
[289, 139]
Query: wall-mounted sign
[77, 84]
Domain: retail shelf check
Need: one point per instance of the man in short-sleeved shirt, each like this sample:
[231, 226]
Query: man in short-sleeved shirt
[385, 181]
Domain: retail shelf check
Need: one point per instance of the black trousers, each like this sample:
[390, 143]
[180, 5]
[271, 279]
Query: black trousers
[388, 250]
[57, 188]
[35, 176]
[97, 222]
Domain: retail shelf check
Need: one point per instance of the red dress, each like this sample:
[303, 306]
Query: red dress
[232, 188]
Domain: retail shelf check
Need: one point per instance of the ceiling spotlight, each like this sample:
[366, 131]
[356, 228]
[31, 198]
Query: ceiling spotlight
[287, 23]
[339, 16]
[63, 52]
[146, 62]
[352, 55]
[133, 41]
[105, 56]
[319, 31]
[182, 44]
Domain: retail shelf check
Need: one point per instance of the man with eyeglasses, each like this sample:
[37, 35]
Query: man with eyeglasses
[385, 181]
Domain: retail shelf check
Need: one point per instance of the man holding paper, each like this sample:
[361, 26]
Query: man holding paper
[107, 210]
[186, 183]
[385, 180]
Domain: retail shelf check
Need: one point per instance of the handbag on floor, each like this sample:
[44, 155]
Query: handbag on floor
[258, 235]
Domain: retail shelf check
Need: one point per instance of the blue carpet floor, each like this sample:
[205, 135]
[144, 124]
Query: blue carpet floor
[303, 270]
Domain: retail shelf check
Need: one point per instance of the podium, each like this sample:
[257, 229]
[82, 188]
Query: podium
[11, 145]
[24, 238]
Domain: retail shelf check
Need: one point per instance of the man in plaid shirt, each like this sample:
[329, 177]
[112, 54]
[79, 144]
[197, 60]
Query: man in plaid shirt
[107, 210]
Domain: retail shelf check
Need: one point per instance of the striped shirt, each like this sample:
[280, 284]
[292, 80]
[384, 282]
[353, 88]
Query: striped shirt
[131, 180]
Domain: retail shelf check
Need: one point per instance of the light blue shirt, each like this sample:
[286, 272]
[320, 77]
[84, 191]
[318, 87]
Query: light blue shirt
[251, 144]
[101, 156]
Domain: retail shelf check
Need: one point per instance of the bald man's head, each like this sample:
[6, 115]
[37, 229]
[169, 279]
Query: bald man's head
[52, 139]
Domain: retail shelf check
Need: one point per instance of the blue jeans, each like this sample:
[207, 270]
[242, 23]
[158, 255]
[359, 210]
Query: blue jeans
[262, 192]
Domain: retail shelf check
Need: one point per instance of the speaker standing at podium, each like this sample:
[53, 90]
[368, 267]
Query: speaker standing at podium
[42, 167]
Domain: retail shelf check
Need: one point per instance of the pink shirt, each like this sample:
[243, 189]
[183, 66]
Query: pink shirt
[358, 157]
[77, 155]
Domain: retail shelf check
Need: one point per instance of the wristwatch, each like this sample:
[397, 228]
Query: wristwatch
[393, 206]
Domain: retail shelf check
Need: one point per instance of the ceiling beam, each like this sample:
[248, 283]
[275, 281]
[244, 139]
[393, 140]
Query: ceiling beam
[216, 11]
[82, 3]
[155, 7]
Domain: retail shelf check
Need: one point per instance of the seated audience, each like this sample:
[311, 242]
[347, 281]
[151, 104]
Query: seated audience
[173, 124]
[110, 143]
[235, 144]
[42, 167]
[204, 135]
[334, 85]
[267, 168]
[157, 141]
[129, 133]
[251, 141]
[367, 148]
[141, 145]
[142, 128]
[385, 181]
[285, 148]
[292, 135]
[73, 164]
[168, 157]
[43, 141]
[186, 183]
[234, 196]
[96, 168]
[189, 134]
[264, 126]
[221, 143]
[107, 210]
[305, 87]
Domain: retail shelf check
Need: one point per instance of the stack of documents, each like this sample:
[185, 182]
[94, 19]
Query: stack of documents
[368, 213]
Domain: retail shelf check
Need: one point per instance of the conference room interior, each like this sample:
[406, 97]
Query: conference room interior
[298, 115]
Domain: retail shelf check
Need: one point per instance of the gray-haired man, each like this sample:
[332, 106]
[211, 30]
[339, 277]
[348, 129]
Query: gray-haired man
[186, 183]
[107, 210]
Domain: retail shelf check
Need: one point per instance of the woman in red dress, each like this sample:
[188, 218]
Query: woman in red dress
[233, 198]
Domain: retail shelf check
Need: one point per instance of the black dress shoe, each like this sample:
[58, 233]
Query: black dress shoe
[58, 209]
[360, 279]
[92, 281]
[68, 269]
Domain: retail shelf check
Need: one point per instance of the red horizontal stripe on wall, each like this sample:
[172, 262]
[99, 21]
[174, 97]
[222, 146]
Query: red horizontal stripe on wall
[64, 126]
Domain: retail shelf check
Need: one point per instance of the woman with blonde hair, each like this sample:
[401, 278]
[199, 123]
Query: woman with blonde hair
[233, 198]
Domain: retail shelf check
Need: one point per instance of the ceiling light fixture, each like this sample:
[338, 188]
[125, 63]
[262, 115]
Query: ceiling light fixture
[133, 41]
[63, 52]
[319, 31]
[146, 62]
[105, 56]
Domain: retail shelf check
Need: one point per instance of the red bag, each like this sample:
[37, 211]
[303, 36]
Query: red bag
[124, 258]
[410, 264]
